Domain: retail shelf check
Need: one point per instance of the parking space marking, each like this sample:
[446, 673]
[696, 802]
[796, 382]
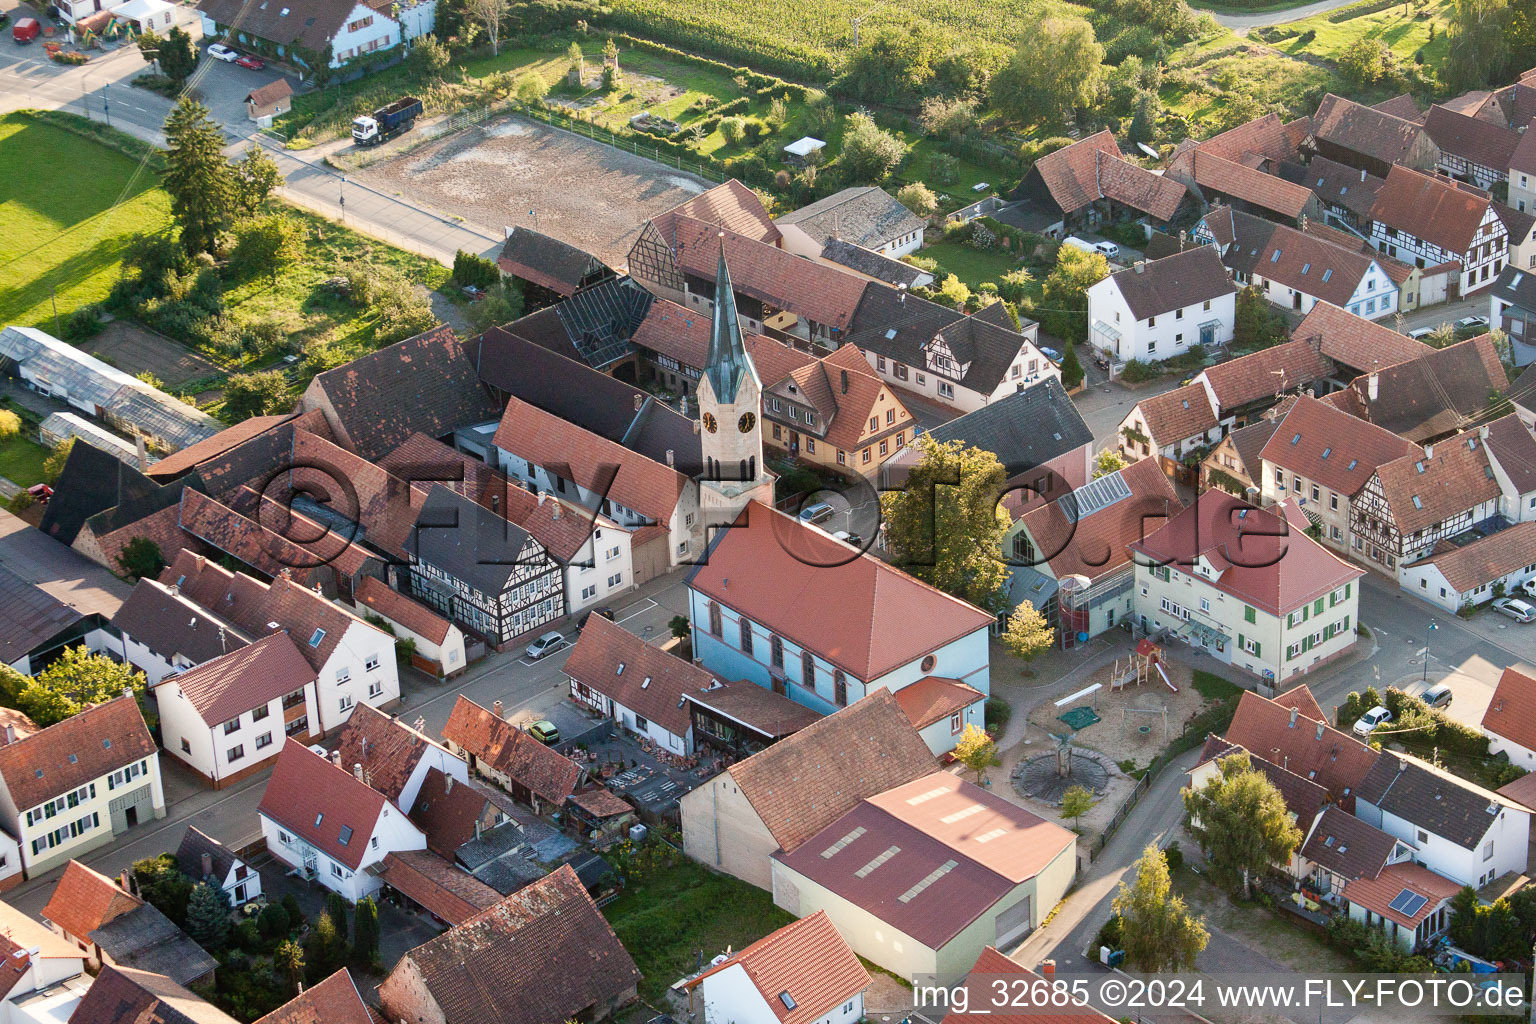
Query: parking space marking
[562, 645]
[649, 604]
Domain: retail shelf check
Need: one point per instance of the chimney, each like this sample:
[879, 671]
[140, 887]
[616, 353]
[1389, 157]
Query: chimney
[447, 785]
[1429, 451]
[1293, 718]
[496, 709]
[1048, 968]
[901, 294]
[496, 503]
[554, 510]
[1482, 432]
[127, 691]
[126, 883]
[138, 444]
[639, 401]
[207, 864]
[671, 458]
[1372, 385]
[477, 820]
[10, 734]
[336, 758]
[1362, 177]
[357, 770]
[845, 382]
[1141, 266]
[540, 496]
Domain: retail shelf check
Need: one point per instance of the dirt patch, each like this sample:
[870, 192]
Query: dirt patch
[1135, 721]
[133, 350]
[582, 192]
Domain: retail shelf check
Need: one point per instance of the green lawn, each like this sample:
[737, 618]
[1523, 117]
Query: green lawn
[61, 240]
[972, 266]
[21, 461]
[1405, 28]
[665, 918]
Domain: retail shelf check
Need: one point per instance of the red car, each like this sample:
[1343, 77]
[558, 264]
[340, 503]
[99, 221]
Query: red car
[245, 60]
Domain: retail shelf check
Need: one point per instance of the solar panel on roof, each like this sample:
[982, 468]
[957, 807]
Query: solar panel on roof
[1408, 903]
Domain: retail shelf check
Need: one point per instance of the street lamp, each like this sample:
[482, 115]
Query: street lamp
[1433, 625]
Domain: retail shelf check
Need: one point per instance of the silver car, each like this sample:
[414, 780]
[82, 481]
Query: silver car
[544, 645]
[218, 51]
[1515, 609]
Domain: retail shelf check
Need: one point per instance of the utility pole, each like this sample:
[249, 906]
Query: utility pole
[54, 295]
[343, 189]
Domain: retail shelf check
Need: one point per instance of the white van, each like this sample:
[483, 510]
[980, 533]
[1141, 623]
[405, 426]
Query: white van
[1080, 243]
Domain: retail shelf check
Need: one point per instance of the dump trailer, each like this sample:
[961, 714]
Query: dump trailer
[386, 122]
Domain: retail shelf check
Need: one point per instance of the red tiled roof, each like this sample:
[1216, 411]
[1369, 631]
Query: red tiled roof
[1251, 186]
[647, 487]
[856, 611]
[1511, 712]
[1376, 894]
[757, 707]
[250, 677]
[1094, 545]
[1356, 342]
[450, 892]
[68, 754]
[819, 291]
[319, 802]
[335, 1000]
[981, 987]
[23, 940]
[1092, 169]
[808, 959]
[1522, 791]
[84, 899]
[1401, 105]
[1253, 377]
[599, 803]
[774, 359]
[932, 699]
[449, 811]
[386, 747]
[123, 995]
[732, 206]
[211, 447]
[1422, 489]
[1308, 747]
[1471, 138]
[641, 676]
[1264, 136]
[509, 750]
[1470, 566]
[1263, 561]
[374, 594]
[1174, 415]
[1300, 697]
[543, 954]
[843, 389]
[1431, 208]
[806, 781]
[1524, 156]
[1332, 447]
[1361, 129]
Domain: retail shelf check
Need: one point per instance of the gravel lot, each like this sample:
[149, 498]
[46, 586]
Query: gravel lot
[585, 193]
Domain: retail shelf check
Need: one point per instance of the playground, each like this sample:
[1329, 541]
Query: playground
[1129, 710]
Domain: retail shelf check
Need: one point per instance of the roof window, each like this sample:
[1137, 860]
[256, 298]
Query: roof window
[1295, 439]
[787, 999]
[1276, 257]
[314, 641]
[318, 817]
[1305, 267]
[1327, 452]
[1327, 274]
[1416, 502]
[644, 683]
[346, 835]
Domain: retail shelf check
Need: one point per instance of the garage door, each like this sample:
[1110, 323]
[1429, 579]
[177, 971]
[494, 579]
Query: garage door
[1013, 924]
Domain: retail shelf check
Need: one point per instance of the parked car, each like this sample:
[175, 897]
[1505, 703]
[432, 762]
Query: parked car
[1515, 609]
[1371, 720]
[817, 512]
[251, 61]
[1529, 587]
[1421, 333]
[545, 644]
[603, 611]
[218, 51]
[1109, 250]
[545, 732]
[1437, 696]
[1470, 323]
[40, 493]
[849, 538]
[25, 30]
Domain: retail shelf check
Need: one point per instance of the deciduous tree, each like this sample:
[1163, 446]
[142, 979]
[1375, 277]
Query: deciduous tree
[1479, 44]
[289, 959]
[141, 559]
[1241, 822]
[976, 751]
[1108, 461]
[1075, 803]
[255, 178]
[1028, 632]
[489, 14]
[1055, 69]
[870, 153]
[946, 527]
[10, 424]
[53, 464]
[197, 176]
[1064, 293]
[266, 245]
[255, 394]
[918, 198]
[162, 883]
[77, 678]
[1156, 928]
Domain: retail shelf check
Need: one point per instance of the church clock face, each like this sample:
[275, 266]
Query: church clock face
[709, 422]
[747, 422]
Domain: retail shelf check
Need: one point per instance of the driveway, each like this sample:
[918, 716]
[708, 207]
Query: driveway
[223, 88]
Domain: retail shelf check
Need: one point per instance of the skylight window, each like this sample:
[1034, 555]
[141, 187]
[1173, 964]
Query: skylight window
[950, 819]
[838, 847]
[927, 880]
[788, 1000]
[346, 835]
[73, 759]
[314, 640]
[1327, 274]
[987, 837]
[318, 818]
[922, 798]
[1305, 267]
[645, 682]
[1295, 439]
[1353, 463]
[1419, 465]
[1416, 502]
[1276, 257]
[890, 333]
[620, 670]
[890, 852]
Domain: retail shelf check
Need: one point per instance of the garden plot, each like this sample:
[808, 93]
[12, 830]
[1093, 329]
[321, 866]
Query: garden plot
[582, 192]
[134, 350]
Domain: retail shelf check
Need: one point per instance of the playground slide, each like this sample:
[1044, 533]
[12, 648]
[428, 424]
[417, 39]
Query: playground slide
[1169, 682]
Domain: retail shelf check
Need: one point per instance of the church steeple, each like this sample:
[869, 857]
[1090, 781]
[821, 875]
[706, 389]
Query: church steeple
[727, 363]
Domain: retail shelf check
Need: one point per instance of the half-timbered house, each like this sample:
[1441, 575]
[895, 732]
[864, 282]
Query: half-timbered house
[1434, 222]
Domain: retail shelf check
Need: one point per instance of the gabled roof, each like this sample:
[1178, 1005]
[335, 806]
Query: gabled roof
[322, 804]
[756, 707]
[92, 482]
[84, 899]
[1433, 208]
[1513, 449]
[1250, 441]
[386, 747]
[1366, 130]
[170, 623]
[1312, 749]
[732, 206]
[1174, 415]
[453, 813]
[469, 542]
[1173, 282]
[1265, 137]
[1439, 392]
[1092, 169]
[915, 858]
[1431, 798]
[1262, 560]
[864, 215]
[510, 751]
[123, 995]
[1510, 711]
[219, 444]
[932, 699]
[248, 677]
[547, 261]
[447, 891]
[864, 616]
[1085, 533]
[67, 755]
[806, 781]
[1356, 342]
[808, 960]
[1336, 184]
[1252, 186]
[1348, 846]
[872, 264]
[309, 23]
[32, 617]
[1471, 138]
[1486, 559]
[844, 391]
[641, 676]
[1025, 429]
[1524, 156]
[1260, 375]
[1303, 797]
[1301, 260]
[423, 384]
[1401, 105]
[22, 939]
[543, 954]
[1331, 447]
[1378, 894]
[375, 595]
[335, 1000]
[195, 845]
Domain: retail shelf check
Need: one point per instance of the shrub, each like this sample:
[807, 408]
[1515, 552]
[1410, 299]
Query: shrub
[918, 198]
[83, 323]
[944, 169]
[998, 712]
[1136, 371]
[477, 271]
[734, 129]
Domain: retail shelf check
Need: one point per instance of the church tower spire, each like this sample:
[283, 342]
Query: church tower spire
[730, 397]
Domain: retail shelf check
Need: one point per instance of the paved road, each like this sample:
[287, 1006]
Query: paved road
[1243, 22]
